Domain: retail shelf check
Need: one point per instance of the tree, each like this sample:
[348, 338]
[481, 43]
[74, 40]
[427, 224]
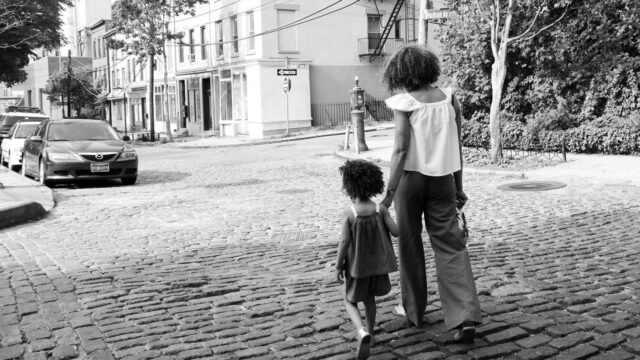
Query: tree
[496, 18]
[24, 27]
[584, 67]
[69, 87]
[144, 29]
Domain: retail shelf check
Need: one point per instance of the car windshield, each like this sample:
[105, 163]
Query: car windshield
[70, 131]
[24, 130]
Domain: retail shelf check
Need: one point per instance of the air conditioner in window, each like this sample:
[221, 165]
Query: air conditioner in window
[191, 57]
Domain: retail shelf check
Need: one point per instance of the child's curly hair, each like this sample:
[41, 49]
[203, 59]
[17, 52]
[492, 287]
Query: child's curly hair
[412, 67]
[361, 179]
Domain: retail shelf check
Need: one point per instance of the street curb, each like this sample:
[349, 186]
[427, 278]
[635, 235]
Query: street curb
[467, 170]
[270, 141]
[20, 213]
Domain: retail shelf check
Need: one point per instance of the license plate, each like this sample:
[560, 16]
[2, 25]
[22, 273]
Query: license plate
[99, 168]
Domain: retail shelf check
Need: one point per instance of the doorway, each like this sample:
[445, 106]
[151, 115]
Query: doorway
[206, 103]
[183, 110]
[144, 113]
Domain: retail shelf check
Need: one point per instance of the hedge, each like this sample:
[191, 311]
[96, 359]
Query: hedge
[588, 138]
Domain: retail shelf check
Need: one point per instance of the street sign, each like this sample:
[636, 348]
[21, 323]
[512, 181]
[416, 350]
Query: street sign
[433, 14]
[286, 84]
[287, 72]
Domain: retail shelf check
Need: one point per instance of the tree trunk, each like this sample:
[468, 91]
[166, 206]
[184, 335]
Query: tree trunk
[498, 74]
[166, 98]
[150, 91]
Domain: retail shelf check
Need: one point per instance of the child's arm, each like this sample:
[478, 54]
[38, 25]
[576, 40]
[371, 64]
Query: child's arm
[344, 245]
[388, 221]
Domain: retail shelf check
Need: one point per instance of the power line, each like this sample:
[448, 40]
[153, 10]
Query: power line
[228, 17]
[270, 31]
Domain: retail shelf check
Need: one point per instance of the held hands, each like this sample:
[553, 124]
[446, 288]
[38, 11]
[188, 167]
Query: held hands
[340, 276]
[461, 199]
[388, 199]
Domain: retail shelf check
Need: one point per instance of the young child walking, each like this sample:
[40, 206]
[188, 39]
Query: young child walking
[365, 256]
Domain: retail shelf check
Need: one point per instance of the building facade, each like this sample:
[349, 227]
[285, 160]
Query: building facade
[226, 76]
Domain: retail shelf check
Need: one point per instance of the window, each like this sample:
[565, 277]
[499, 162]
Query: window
[133, 69]
[192, 50]
[95, 53]
[373, 30]
[181, 58]
[129, 70]
[287, 38]
[251, 31]
[234, 33]
[219, 39]
[203, 41]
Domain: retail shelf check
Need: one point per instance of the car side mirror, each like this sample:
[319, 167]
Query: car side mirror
[126, 138]
[36, 138]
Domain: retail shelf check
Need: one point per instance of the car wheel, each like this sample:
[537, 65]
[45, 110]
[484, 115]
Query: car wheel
[43, 174]
[129, 180]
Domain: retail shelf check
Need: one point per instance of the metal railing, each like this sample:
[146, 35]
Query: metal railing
[337, 114]
[367, 46]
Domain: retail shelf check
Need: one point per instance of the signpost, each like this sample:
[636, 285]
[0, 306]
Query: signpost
[286, 87]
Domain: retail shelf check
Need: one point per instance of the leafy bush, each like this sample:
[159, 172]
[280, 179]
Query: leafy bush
[606, 135]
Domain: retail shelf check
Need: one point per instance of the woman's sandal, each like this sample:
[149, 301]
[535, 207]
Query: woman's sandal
[398, 310]
[364, 344]
[466, 333]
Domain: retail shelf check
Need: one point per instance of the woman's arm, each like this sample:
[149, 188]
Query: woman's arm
[401, 145]
[344, 245]
[461, 197]
[388, 222]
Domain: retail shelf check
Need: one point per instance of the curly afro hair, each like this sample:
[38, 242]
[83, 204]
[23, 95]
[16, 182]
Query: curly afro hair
[411, 68]
[361, 179]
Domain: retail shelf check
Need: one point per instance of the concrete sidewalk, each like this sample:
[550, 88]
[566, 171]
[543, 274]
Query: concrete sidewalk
[22, 199]
[618, 169]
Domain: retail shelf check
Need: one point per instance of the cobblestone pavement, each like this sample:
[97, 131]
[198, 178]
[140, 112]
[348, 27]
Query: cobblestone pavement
[228, 254]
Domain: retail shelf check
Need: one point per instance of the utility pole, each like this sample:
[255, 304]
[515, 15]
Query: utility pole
[69, 85]
[422, 23]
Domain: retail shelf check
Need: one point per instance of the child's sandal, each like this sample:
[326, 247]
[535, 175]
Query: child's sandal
[364, 344]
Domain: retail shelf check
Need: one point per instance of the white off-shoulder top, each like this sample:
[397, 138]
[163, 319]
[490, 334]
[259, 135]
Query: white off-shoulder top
[433, 145]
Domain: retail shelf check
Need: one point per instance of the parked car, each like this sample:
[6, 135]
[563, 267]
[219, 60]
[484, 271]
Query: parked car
[13, 142]
[70, 150]
[8, 119]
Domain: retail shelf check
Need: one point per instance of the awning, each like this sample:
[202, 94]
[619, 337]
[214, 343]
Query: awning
[116, 94]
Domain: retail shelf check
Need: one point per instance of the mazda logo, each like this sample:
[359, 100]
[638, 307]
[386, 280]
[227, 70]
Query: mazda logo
[99, 156]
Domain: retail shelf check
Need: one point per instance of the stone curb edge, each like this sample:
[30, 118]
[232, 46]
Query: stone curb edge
[467, 170]
[272, 141]
[21, 213]
[24, 211]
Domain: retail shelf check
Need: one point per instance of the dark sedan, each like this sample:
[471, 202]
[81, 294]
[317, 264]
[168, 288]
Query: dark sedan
[75, 149]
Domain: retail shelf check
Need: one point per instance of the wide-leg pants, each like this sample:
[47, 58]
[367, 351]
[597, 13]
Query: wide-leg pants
[434, 198]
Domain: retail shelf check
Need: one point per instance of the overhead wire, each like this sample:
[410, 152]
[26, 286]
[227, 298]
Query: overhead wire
[297, 22]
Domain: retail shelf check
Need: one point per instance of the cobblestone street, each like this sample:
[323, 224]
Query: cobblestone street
[228, 253]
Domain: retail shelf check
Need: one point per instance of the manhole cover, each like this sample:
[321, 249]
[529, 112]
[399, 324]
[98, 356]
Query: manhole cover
[293, 236]
[532, 186]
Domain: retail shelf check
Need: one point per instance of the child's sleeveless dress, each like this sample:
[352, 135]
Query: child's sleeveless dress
[370, 258]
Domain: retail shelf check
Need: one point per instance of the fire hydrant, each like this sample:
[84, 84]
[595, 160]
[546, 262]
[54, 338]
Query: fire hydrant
[357, 115]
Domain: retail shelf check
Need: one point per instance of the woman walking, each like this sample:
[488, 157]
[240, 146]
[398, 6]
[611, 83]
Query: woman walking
[426, 181]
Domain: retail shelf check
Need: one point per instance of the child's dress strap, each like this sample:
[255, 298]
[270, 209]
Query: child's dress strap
[377, 208]
[353, 208]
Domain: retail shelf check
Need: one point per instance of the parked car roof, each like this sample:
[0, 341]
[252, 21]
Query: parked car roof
[25, 114]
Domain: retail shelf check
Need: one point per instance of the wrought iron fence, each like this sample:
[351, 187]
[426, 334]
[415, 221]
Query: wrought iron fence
[336, 114]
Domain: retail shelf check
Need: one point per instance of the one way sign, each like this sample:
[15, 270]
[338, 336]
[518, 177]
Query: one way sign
[287, 72]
